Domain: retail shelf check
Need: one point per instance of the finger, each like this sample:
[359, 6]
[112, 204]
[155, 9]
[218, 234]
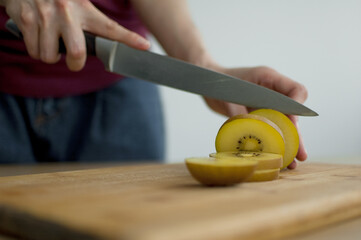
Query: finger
[298, 93]
[293, 165]
[73, 37]
[217, 106]
[74, 41]
[30, 30]
[49, 45]
[101, 25]
[302, 153]
[225, 108]
[235, 109]
[31, 40]
[291, 88]
[272, 79]
[48, 35]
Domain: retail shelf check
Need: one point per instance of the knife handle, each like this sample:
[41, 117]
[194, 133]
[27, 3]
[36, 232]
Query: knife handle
[89, 38]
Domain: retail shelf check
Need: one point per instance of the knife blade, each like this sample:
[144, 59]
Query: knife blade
[121, 59]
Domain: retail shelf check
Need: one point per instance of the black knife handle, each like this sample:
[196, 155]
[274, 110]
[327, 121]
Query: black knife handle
[89, 38]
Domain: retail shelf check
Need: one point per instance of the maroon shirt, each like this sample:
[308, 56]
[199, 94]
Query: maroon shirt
[23, 76]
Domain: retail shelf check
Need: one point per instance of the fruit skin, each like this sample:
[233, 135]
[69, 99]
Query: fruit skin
[264, 175]
[244, 125]
[288, 129]
[265, 160]
[211, 172]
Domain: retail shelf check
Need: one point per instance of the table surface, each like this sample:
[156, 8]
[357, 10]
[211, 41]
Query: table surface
[346, 230]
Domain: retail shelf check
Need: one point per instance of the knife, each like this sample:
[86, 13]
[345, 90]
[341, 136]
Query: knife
[121, 59]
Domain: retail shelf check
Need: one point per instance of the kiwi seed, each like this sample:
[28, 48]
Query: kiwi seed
[242, 143]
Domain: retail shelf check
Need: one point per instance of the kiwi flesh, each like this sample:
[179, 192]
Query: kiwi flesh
[246, 132]
[264, 175]
[264, 160]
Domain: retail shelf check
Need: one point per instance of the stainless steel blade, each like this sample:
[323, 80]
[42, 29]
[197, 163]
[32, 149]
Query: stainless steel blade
[174, 73]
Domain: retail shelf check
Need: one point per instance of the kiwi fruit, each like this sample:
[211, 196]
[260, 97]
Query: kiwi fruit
[288, 129]
[246, 132]
[264, 175]
[250, 147]
[212, 172]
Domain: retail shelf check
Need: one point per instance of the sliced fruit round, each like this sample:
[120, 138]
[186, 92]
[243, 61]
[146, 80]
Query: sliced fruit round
[248, 132]
[289, 132]
[212, 172]
[265, 160]
[264, 175]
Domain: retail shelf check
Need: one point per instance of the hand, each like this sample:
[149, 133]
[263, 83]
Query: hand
[43, 22]
[269, 78]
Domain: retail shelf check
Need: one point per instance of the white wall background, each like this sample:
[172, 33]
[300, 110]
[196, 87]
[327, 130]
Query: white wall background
[317, 43]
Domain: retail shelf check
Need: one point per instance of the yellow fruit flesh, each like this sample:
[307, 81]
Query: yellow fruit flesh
[289, 132]
[249, 134]
[264, 175]
[264, 160]
[211, 172]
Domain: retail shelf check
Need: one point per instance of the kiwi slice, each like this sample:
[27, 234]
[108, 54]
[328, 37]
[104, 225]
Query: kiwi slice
[248, 132]
[289, 132]
[264, 175]
[265, 160]
[212, 172]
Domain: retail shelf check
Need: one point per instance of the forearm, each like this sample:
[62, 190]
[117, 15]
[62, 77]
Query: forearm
[170, 22]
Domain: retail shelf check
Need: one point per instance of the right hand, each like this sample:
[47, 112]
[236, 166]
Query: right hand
[43, 22]
[271, 79]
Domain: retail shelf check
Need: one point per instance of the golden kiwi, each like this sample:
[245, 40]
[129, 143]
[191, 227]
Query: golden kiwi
[250, 147]
[211, 172]
[288, 129]
[248, 132]
[264, 175]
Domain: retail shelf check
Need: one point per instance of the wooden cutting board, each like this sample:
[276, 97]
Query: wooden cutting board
[156, 202]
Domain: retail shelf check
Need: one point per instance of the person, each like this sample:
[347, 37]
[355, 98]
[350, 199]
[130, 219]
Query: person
[67, 108]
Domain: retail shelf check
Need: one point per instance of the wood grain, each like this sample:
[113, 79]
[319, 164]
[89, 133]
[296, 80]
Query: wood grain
[163, 202]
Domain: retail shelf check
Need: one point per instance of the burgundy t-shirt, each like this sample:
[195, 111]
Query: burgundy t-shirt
[23, 76]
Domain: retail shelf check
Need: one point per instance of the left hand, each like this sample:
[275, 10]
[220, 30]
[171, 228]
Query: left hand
[271, 79]
[42, 22]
